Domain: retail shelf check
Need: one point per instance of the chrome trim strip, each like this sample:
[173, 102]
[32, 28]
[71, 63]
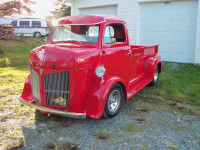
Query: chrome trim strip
[53, 111]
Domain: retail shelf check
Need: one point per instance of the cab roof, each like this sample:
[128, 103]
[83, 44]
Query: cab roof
[88, 19]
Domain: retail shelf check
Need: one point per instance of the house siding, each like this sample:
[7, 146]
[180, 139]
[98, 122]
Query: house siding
[197, 58]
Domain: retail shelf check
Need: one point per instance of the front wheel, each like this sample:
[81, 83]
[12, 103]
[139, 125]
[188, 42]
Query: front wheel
[156, 76]
[113, 102]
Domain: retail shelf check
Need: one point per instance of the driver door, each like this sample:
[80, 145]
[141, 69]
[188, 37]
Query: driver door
[117, 52]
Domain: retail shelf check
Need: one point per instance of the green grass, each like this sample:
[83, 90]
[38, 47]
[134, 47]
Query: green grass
[102, 134]
[14, 67]
[180, 85]
[131, 127]
[173, 147]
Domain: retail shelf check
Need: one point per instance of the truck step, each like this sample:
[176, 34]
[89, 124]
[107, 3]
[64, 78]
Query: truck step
[135, 88]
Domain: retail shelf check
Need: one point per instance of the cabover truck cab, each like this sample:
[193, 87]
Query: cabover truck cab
[88, 68]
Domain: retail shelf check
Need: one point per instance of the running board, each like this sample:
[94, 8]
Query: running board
[135, 88]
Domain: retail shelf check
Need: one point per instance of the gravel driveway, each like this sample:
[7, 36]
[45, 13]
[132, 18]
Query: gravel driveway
[139, 125]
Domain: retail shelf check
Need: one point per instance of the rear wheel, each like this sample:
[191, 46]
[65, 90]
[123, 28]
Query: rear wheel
[156, 76]
[113, 102]
[37, 34]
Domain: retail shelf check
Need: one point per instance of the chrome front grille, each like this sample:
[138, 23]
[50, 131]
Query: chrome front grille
[35, 82]
[57, 89]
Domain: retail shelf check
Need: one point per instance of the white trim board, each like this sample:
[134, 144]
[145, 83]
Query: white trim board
[161, 1]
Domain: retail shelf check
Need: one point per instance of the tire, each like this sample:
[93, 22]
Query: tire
[113, 101]
[156, 76]
[37, 34]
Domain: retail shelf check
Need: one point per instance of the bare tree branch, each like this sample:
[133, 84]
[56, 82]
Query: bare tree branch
[15, 6]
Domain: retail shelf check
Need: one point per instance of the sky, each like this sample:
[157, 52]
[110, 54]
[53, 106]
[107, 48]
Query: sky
[42, 8]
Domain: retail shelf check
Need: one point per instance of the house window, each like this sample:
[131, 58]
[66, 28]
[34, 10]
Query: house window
[24, 24]
[114, 33]
[36, 24]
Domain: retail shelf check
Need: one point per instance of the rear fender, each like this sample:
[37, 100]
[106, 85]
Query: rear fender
[27, 91]
[150, 66]
[96, 98]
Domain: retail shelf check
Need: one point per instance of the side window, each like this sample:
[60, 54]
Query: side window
[93, 31]
[114, 33]
[14, 23]
[36, 24]
[24, 24]
[93, 34]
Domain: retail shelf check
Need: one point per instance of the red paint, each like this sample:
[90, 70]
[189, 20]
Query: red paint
[131, 66]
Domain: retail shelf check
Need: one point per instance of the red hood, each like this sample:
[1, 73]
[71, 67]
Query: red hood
[64, 56]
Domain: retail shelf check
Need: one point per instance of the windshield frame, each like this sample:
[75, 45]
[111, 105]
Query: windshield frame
[55, 42]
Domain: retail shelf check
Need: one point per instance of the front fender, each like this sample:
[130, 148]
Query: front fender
[27, 91]
[96, 98]
[150, 66]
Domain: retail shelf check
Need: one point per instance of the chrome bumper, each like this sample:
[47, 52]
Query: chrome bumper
[54, 111]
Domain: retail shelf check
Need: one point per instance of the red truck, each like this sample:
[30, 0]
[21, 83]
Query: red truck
[88, 68]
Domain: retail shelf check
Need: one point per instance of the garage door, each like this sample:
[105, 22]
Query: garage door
[173, 26]
[107, 10]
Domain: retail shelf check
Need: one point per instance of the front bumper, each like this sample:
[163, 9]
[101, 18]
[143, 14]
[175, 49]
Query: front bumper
[54, 111]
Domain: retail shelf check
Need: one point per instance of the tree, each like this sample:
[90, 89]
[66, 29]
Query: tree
[8, 8]
[65, 11]
[62, 11]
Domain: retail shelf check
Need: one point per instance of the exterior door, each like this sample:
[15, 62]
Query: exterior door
[106, 10]
[117, 52]
[173, 25]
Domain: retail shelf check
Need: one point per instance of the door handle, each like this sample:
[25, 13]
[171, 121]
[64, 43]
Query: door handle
[129, 52]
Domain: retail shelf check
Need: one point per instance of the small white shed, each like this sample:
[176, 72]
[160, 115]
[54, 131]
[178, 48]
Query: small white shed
[174, 24]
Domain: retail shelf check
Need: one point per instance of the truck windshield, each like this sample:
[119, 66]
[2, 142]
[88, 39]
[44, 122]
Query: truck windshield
[73, 33]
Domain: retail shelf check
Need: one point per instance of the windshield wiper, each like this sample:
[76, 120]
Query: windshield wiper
[77, 41]
[72, 41]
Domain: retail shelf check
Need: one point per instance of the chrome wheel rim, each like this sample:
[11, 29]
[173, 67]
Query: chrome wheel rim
[37, 34]
[156, 74]
[113, 100]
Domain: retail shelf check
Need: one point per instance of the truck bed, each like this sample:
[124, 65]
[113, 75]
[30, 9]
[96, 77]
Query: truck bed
[147, 49]
[139, 55]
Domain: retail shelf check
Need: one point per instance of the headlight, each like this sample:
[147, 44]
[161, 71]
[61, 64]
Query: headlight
[100, 71]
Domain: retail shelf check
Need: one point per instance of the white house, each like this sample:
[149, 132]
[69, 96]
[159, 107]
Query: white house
[174, 24]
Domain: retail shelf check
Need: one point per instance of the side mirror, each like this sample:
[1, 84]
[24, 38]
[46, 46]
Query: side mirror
[113, 40]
